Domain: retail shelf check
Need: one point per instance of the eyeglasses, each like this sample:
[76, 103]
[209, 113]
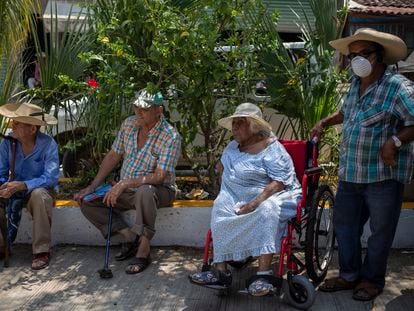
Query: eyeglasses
[363, 53]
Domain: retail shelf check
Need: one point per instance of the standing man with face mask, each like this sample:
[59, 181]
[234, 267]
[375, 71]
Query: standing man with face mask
[376, 159]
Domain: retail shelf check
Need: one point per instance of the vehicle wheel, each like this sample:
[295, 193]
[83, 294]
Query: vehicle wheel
[300, 294]
[320, 236]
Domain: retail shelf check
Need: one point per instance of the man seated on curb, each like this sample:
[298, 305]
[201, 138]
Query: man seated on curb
[36, 173]
[149, 148]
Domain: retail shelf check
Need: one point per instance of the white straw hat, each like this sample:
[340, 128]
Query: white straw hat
[245, 110]
[395, 49]
[27, 113]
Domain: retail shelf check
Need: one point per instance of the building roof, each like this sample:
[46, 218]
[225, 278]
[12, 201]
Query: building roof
[387, 7]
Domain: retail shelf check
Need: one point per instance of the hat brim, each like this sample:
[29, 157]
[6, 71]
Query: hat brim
[227, 122]
[394, 48]
[9, 111]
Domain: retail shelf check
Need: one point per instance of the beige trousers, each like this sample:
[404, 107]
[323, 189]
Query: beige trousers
[39, 204]
[144, 201]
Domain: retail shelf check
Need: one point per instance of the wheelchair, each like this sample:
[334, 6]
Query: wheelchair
[312, 229]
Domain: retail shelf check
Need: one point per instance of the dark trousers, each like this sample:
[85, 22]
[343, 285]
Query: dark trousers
[379, 202]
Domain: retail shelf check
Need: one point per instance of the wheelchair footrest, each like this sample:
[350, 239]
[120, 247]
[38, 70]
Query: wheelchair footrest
[274, 292]
[275, 281]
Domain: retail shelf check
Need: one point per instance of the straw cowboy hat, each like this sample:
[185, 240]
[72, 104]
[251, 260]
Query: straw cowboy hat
[245, 110]
[27, 113]
[394, 48]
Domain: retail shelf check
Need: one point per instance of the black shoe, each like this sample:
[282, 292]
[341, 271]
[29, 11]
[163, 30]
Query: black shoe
[128, 250]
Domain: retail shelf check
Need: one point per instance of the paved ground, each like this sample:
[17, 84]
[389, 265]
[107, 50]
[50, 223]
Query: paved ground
[71, 283]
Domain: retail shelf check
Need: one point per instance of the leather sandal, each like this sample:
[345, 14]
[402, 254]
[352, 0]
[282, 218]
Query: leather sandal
[40, 261]
[337, 284]
[128, 250]
[137, 265]
[366, 291]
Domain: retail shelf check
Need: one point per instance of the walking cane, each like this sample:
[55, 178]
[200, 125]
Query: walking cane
[4, 222]
[106, 273]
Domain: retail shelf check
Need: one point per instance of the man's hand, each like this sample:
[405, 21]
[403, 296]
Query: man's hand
[112, 195]
[10, 188]
[317, 130]
[247, 208]
[388, 152]
[85, 191]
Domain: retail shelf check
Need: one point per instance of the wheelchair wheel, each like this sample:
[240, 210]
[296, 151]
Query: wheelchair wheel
[320, 236]
[300, 293]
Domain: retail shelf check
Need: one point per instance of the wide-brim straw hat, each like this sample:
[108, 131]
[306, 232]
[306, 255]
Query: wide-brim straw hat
[245, 110]
[395, 49]
[27, 113]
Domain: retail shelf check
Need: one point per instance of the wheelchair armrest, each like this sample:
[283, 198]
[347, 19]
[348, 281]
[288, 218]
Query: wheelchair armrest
[313, 171]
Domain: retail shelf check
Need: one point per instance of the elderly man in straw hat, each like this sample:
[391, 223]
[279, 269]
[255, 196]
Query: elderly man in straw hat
[376, 158]
[148, 147]
[35, 168]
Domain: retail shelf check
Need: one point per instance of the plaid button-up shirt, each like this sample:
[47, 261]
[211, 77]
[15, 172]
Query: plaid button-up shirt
[161, 150]
[385, 107]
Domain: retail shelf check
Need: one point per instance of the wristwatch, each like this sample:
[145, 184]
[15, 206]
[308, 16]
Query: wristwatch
[397, 141]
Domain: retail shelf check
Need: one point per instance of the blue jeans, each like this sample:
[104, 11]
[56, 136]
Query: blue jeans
[354, 205]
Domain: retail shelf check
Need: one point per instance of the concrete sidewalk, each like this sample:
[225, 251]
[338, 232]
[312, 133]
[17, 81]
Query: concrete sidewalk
[72, 283]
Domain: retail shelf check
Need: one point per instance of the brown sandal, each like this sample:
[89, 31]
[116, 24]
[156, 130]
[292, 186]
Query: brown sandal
[366, 291]
[40, 261]
[138, 264]
[337, 284]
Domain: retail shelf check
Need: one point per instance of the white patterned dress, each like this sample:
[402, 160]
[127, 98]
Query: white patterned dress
[236, 237]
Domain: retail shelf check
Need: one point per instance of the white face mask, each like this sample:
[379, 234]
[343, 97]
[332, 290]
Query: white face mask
[361, 66]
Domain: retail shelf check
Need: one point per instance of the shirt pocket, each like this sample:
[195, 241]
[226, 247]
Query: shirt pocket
[33, 168]
[373, 117]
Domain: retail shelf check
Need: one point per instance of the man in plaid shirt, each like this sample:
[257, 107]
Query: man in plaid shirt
[376, 159]
[148, 147]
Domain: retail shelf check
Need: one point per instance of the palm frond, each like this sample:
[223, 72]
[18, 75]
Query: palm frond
[61, 55]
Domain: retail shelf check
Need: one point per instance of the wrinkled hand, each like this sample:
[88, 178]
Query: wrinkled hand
[112, 195]
[10, 188]
[388, 153]
[317, 130]
[81, 194]
[247, 208]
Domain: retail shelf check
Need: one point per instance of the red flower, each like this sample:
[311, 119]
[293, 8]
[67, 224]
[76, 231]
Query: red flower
[93, 83]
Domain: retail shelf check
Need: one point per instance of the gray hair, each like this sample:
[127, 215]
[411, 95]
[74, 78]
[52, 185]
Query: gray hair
[258, 129]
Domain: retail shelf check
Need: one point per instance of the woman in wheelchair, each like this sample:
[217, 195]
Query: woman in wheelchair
[259, 193]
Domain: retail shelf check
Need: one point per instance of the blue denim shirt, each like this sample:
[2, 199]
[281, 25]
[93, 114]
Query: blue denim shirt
[39, 169]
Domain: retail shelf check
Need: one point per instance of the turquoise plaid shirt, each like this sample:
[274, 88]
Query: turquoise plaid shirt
[385, 107]
[161, 150]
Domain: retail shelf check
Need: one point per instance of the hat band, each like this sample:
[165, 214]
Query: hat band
[40, 113]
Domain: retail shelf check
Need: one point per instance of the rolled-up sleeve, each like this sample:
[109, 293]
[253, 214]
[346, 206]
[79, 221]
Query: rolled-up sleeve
[405, 105]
